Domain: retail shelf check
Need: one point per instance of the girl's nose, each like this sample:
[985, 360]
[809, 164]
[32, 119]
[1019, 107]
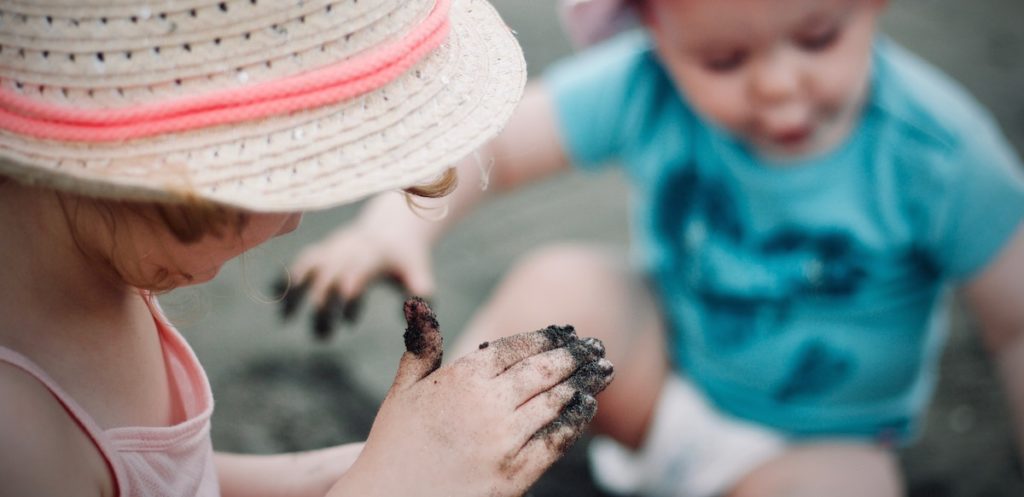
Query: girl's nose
[290, 224]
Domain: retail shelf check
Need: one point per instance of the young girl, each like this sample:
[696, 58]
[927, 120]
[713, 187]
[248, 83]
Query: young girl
[805, 194]
[142, 148]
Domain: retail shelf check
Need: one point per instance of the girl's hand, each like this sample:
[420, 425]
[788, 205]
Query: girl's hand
[335, 272]
[488, 424]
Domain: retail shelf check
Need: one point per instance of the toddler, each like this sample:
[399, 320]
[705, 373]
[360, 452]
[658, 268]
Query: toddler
[805, 194]
[141, 147]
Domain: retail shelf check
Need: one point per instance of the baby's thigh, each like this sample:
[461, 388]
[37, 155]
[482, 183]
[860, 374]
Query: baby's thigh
[588, 286]
[835, 469]
[592, 288]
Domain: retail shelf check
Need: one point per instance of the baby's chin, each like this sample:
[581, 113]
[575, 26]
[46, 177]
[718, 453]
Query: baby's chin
[815, 145]
[784, 154]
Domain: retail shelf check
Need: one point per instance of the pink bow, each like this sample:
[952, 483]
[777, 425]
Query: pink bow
[590, 21]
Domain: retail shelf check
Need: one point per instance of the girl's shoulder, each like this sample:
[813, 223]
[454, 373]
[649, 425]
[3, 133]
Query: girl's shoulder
[45, 451]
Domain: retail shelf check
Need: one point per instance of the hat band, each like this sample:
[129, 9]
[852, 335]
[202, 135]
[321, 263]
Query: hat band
[349, 78]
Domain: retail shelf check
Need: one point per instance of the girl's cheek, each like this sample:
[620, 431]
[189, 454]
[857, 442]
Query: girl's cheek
[291, 224]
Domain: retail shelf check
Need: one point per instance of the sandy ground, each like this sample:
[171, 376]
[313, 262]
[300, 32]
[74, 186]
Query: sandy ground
[277, 389]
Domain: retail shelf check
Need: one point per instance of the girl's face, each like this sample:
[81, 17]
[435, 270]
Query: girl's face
[787, 76]
[200, 261]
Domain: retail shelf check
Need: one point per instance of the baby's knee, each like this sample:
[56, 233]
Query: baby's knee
[575, 284]
[545, 287]
[565, 264]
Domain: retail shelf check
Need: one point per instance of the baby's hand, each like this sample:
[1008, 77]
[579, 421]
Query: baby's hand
[334, 273]
[488, 424]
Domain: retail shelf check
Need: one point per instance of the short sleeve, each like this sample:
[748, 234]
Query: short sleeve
[599, 95]
[984, 204]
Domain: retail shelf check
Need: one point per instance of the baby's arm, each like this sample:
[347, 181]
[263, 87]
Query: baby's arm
[388, 238]
[528, 149]
[996, 297]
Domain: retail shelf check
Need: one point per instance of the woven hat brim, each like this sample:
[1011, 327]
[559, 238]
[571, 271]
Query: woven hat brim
[406, 133]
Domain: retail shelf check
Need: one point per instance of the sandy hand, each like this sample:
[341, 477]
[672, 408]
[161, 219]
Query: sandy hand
[488, 424]
[335, 272]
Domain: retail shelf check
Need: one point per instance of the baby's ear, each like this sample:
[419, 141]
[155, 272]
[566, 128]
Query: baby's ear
[423, 343]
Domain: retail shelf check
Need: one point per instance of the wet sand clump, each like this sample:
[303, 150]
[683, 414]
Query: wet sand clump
[422, 333]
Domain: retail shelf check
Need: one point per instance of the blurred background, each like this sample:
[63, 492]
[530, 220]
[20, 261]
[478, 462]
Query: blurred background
[278, 389]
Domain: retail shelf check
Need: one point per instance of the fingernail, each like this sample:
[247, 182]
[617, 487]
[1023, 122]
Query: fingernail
[279, 287]
[293, 296]
[581, 409]
[560, 336]
[592, 378]
[582, 353]
[596, 345]
[353, 308]
[327, 317]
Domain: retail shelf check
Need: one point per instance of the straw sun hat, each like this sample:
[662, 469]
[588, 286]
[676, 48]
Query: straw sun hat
[266, 105]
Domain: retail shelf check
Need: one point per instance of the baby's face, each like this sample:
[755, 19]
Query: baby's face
[786, 76]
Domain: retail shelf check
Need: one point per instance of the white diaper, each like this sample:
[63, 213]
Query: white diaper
[691, 450]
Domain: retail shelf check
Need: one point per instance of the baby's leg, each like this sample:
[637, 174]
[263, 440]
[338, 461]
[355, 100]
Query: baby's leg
[836, 469]
[592, 289]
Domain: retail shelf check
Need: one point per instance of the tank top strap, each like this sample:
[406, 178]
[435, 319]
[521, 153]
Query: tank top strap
[77, 413]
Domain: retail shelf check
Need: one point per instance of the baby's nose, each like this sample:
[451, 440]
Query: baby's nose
[775, 78]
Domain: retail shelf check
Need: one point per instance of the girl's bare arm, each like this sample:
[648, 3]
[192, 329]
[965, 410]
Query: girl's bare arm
[302, 474]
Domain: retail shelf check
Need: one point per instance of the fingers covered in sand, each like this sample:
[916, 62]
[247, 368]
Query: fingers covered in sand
[489, 423]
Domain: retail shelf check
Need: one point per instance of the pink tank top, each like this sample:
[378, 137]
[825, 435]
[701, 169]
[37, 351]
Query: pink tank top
[152, 461]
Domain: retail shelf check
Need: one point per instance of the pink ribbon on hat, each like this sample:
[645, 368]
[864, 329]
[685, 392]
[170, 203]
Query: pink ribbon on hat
[361, 74]
[588, 22]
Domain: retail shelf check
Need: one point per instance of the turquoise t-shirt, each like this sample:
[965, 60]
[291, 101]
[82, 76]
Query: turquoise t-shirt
[808, 297]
